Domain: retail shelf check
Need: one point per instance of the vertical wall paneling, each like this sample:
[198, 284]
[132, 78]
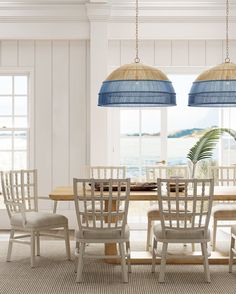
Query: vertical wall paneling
[180, 53]
[197, 56]
[26, 53]
[214, 52]
[146, 52]
[127, 51]
[114, 53]
[60, 115]
[232, 50]
[98, 72]
[43, 114]
[88, 119]
[77, 108]
[163, 53]
[26, 58]
[9, 53]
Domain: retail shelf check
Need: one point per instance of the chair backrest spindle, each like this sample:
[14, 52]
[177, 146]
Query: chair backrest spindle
[223, 175]
[19, 188]
[166, 172]
[107, 172]
[102, 203]
[195, 195]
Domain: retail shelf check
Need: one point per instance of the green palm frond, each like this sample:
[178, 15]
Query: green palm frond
[204, 147]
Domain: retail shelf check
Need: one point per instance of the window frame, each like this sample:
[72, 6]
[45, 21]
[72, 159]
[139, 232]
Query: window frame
[29, 72]
[114, 123]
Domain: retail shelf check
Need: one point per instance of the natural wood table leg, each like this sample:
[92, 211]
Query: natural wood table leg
[111, 248]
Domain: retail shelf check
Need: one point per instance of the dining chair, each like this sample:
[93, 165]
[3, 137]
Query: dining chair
[152, 173]
[20, 194]
[232, 251]
[108, 224]
[223, 210]
[100, 172]
[178, 226]
[107, 172]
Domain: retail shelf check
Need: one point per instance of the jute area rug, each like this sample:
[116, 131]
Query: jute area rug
[54, 274]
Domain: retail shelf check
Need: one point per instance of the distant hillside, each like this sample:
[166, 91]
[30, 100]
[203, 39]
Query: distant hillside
[194, 132]
[187, 133]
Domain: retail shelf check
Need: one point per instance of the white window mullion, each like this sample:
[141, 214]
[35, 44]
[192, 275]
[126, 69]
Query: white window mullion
[140, 143]
[11, 126]
[164, 134]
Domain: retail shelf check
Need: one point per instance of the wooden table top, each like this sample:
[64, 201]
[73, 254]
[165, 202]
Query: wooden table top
[65, 193]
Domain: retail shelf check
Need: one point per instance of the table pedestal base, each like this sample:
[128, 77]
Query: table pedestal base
[111, 249]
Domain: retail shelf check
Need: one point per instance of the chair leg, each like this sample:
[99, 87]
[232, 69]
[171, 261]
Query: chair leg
[205, 262]
[67, 240]
[163, 263]
[10, 245]
[77, 245]
[149, 228]
[55, 206]
[231, 253]
[32, 247]
[154, 251]
[123, 263]
[38, 243]
[214, 235]
[80, 263]
[128, 256]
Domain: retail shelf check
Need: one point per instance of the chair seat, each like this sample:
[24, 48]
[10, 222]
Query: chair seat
[224, 210]
[104, 234]
[179, 235]
[39, 219]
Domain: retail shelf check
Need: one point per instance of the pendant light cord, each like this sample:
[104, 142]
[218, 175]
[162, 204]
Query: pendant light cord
[227, 59]
[137, 59]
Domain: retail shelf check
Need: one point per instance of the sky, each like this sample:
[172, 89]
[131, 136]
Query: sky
[179, 117]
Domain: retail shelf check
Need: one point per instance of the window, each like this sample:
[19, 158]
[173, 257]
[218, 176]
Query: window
[14, 132]
[186, 124]
[140, 139]
[228, 144]
[142, 131]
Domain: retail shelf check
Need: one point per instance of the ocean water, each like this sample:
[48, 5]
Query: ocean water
[150, 150]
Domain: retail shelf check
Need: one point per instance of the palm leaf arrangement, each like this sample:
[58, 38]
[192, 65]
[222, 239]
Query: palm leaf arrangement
[204, 147]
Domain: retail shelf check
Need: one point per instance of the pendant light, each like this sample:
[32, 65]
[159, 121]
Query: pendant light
[137, 85]
[216, 87]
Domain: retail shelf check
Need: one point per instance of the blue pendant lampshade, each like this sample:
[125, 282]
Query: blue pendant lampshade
[137, 85]
[215, 87]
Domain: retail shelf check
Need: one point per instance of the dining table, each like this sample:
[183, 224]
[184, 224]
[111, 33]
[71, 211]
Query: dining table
[65, 193]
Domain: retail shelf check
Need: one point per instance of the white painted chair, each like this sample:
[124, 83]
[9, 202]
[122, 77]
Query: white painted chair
[222, 211]
[101, 172]
[188, 226]
[20, 194]
[152, 173]
[232, 247]
[106, 225]
[107, 172]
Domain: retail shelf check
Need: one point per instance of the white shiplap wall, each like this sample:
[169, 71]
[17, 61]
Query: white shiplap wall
[59, 99]
[175, 53]
[60, 116]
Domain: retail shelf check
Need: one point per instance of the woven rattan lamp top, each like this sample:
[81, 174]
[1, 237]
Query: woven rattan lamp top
[224, 71]
[137, 71]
